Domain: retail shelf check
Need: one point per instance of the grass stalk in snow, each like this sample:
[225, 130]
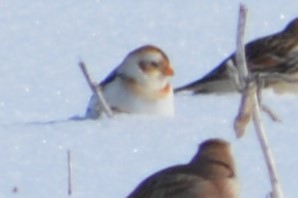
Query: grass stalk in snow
[250, 107]
[69, 190]
[96, 90]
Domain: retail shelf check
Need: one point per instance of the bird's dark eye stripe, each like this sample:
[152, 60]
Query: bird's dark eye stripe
[155, 64]
[152, 63]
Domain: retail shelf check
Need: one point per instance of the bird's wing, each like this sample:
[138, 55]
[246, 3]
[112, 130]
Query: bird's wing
[110, 77]
[274, 53]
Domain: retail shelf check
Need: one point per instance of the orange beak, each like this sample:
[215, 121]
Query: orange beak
[168, 71]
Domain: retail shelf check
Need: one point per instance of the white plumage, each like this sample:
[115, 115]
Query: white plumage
[140, 84]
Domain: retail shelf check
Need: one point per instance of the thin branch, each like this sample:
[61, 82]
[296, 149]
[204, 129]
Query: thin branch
[276, 187]
[245, 83]
[240, 50]
[245, 110]
[260, 85]
[69, 173]
[250, 93]
[96, 90]
[234, 75]
[270, 113]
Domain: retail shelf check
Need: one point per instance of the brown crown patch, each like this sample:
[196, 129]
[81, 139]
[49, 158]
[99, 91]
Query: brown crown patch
[149, 48]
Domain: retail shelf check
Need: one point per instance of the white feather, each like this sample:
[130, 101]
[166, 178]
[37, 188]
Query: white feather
[119, 96]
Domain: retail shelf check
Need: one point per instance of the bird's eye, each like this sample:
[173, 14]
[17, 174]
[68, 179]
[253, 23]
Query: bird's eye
[154, 64]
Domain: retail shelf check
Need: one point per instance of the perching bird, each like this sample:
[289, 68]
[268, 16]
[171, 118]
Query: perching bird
[210, 174]
[275, 54]
[140, 84]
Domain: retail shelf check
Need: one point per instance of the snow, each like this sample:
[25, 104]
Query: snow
[42, 86]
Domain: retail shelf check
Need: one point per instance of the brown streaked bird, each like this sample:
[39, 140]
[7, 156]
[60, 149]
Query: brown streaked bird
[210, 174]
[274, 54]
[140, 85]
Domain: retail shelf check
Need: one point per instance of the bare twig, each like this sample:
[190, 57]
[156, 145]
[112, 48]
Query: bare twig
[245, 82]
[260, 85]
[250, 93]
[270, 113]
[245, 111]
[276, 187]
[240, 50]
[96, 90]
[69, 173]
[234, 75]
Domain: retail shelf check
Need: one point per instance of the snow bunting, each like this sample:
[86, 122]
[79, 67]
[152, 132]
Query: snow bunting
[272, 55]
[140, 84]
[211, 173]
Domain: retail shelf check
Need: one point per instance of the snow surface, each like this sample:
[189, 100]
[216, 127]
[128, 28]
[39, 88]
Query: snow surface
[41, 43]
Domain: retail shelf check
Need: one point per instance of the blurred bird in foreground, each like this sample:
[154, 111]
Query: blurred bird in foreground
[210, 174]
[140, 84]
[275, 58]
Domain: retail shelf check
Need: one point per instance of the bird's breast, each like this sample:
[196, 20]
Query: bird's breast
[133, 98]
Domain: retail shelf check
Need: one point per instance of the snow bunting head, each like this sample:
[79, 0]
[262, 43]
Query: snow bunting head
[211, 173]
[140, 84]
[148, 65]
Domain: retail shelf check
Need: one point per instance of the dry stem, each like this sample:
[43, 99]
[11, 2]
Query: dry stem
[96, 90]
[69, 173]
[250, 94]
